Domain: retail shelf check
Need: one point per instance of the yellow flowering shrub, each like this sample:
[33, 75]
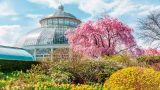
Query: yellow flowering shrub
[134, 78]
[86, 87]
[19, 85]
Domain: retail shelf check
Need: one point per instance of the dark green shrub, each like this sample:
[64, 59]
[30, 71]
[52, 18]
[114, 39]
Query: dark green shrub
[13, 65]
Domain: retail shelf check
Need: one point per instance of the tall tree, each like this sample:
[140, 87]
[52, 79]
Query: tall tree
[150, 29]
[106, 36]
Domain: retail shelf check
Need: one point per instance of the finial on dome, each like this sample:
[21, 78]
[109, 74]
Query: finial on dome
[60, 7]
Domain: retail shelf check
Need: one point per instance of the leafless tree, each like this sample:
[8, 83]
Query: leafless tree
[150, 29]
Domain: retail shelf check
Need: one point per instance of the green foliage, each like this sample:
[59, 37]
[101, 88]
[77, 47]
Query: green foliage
[117, 58]
[86, 70]
[127, 61]
[61, 77]
[67, 74]
[149, 59]
[103, 76]
[22, 85]
[75, 71]
[2, 75]
[27, 77]
[134, 78]
[12, 65]
[41, 68]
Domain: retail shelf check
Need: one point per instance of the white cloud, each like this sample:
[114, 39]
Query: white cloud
[89, 6]
[122, 7]
[6, 9]
[15, 18]
[50, 3]
[146, 9]
[145, 45]
[9, 34]
[114, 8]
[93, 7]
[141, 44]
[34, 16]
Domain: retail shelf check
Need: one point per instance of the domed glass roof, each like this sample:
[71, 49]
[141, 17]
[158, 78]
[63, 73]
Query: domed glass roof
[44, 36]
[59, 13]
[52, 30]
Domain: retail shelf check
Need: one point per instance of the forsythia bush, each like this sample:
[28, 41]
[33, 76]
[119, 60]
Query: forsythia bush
[134, 78]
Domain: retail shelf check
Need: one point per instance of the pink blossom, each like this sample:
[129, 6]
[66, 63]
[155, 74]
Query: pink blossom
[100, 38]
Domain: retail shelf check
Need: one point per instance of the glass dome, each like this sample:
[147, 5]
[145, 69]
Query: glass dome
[51, 34]
[60, 19]
[44, 36]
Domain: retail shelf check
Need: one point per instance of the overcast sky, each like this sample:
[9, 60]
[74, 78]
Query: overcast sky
[20, 16]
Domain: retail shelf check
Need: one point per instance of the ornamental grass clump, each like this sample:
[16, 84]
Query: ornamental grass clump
[134, 78]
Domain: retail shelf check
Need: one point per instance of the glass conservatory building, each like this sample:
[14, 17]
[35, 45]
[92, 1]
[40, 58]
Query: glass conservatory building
[13, 53]
[41, 42]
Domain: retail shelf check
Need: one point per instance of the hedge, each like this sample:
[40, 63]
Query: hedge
[14, 65]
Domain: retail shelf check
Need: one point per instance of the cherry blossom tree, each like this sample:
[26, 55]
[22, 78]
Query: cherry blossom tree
[147, 51]
[151, 51]
[106, 36]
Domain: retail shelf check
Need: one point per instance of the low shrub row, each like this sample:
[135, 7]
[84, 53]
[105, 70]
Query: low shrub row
[77, 71]
[132, 78]
[14, 65]
[19, 85]
[118, 73]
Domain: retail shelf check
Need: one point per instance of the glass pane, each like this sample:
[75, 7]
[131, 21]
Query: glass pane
[43, 51]
[61, 21]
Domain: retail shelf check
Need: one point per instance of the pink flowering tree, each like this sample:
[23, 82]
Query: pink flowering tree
[148, 51]
[151, 51]
[104, 37]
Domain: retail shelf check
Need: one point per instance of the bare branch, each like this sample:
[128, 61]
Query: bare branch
[150, 28]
